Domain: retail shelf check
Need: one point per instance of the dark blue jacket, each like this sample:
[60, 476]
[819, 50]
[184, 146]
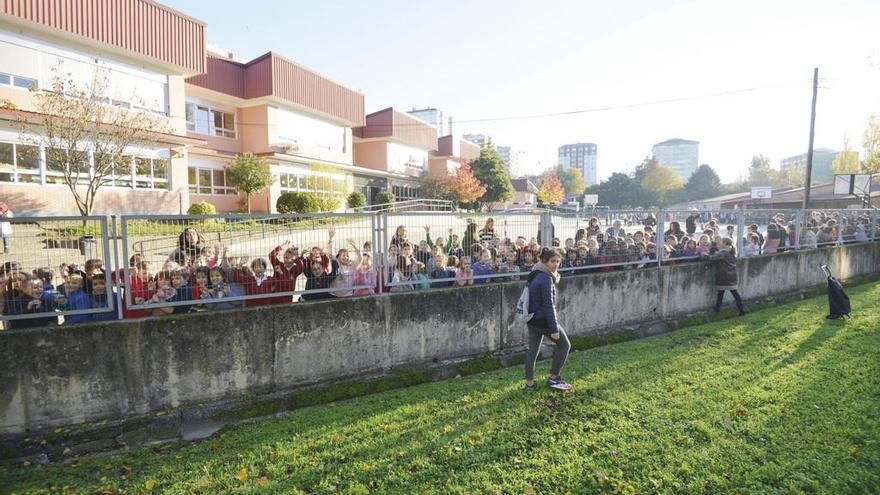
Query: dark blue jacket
[17, 305]
[542, 301]
[78, 300]
[99, 301]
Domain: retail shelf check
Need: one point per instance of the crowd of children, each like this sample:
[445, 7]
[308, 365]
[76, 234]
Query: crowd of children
[199, 277]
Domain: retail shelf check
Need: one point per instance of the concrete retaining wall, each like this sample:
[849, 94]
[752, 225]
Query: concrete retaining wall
[81, 374]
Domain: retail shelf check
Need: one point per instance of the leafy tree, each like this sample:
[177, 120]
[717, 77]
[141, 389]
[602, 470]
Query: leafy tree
[619, 191]
[551, 189]
[438, 189]
[86, 140]
[466, 188]
[489, 170]
[703, 183]
[790, 176]
[249, 174]
[761, 173]
[201, 208]
[847, 161]
[572, 180]
[329, 188]
[649, 163]
[356, 200]
[871, 143]
[663, 182]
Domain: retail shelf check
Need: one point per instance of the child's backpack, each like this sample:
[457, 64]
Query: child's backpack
[522, 314]
[838, 300]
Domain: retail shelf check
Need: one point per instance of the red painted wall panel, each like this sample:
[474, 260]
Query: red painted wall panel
[141, 26]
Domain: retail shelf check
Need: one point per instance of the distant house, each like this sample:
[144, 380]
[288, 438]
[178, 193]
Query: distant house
[525, 196]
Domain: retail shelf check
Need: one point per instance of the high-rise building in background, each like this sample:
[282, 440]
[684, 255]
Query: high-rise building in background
[582, 156]
[478, 139]
[822, 164]
[681, 155]
[510, 156]
[434, 117]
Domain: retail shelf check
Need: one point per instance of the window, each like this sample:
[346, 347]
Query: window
[322, 185]
[18, 81]
[209, 181]
[150, 173]
[205, 120]
[27, 160]
[5, 79]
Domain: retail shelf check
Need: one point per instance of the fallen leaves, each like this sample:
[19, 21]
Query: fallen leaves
[149, 485]
[262, 481]
[242, 475]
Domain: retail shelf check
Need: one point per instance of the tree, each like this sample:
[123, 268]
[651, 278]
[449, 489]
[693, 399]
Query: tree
[357, 200]
[761, 173]
[489, 170]
[249, 174]
[871, 143]
[847, 160]
[572, 180]
[703, 183]
[437, 189]
[85, 139]
[648, 164]
[466, 188]
[619, 191]
[551, 189]
[663, 182]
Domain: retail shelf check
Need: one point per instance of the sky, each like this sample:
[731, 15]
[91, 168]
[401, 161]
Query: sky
[740, 72]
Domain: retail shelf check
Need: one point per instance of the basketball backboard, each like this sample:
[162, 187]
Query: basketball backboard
[852, 184]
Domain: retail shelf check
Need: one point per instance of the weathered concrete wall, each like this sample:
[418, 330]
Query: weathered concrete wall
[70, 375]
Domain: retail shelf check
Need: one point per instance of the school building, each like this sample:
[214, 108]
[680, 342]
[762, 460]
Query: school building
[313, 131]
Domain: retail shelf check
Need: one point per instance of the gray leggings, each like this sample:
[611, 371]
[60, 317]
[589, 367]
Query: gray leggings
[536, 336]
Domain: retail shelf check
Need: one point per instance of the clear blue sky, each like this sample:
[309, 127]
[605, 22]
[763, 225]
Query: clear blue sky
[490, 59]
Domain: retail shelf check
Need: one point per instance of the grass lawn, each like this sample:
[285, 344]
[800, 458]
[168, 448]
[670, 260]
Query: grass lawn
[779, 401]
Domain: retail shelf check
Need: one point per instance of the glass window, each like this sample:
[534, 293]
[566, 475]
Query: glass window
[203, 123]
[160, 169]
[143, 173]
[224, 124]
[204, 181]
[55, 159]
[7, 162]
[190, 117]
[5, 79]
[24, 82]
[219, 182]
[193, 184]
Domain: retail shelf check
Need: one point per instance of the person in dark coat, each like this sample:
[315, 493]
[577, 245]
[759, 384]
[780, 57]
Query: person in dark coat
[725, 272]
[542, 306]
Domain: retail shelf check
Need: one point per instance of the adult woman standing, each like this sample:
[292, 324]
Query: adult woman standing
[725, 272]
[542, 306]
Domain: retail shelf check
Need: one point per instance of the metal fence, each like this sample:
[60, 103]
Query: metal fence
[154, 264]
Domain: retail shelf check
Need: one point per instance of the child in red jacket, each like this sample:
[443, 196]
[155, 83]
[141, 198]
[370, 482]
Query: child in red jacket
[286, 271]
[254, 280]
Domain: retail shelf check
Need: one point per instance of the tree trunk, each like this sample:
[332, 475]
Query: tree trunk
[248, 200]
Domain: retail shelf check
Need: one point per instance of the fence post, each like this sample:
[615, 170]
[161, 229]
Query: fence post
[661, 238]
[117, 264]
[127, 278]
[546, 229]
[741, 232]
[872, 216]
[382, 248]
[799, 219]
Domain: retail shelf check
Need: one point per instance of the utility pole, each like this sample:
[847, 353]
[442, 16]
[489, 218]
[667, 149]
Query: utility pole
[812, 131]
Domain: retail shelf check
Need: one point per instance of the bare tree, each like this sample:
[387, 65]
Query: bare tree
[86, 138]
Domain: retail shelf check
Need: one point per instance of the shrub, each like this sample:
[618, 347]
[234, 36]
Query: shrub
[201, 208]
[298, 202]
[382, 198]
[357, 200]
[329, 202]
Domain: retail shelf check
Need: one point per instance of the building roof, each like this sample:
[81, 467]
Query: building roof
[134, 27]
[398, 126]
[272, 75]
[524, 185]
[675, 141]
[574, 145]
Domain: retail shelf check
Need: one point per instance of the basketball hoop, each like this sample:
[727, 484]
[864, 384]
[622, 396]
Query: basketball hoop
[858, 185]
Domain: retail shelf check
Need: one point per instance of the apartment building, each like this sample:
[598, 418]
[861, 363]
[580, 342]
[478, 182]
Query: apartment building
[143, 50]
[398, 146]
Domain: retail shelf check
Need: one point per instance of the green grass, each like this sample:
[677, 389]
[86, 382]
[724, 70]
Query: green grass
[779, 401]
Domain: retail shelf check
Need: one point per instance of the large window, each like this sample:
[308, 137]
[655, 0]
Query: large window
[209, 181]
[17, 81]
[24, 164]
[406, 191]
[323, 185]
[206, 120]
[151, 173]
[307, 131]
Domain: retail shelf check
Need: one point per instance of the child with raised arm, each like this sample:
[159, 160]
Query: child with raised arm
[286, 270]
[255, 281]
[344, 267]
[365, 275]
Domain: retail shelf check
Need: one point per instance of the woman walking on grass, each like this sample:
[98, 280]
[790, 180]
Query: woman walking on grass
[542, 305]
[725, 272]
